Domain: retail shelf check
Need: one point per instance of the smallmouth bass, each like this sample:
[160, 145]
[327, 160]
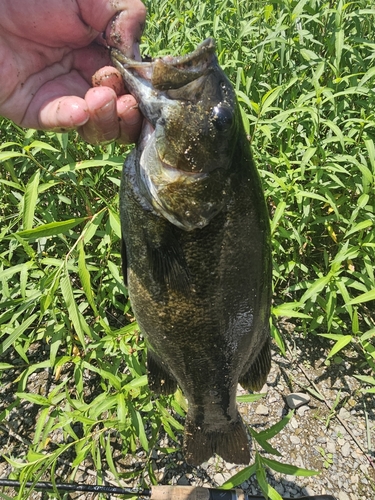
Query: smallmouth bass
[196, 246]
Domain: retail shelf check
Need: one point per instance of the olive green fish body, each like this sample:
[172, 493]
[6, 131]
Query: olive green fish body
[198, 270]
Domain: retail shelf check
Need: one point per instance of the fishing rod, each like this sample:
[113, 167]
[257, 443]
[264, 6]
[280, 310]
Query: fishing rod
[155, 493]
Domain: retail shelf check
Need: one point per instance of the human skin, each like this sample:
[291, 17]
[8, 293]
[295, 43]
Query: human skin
[49, 52]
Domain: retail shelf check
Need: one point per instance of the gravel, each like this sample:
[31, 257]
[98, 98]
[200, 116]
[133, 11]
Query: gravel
[339, 443]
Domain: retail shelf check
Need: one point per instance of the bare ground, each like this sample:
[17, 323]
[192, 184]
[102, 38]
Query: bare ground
[333, 433]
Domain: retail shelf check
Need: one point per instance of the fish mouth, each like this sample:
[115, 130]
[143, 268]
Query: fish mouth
[164, 85]
[175, 170]
[168, 72]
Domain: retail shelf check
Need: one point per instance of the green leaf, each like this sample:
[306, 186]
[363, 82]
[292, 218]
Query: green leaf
[85, 278]
[239, 478]
[139, 427]
[71, 167]
[109, 458]
[273, 494]
[78, 321]
[122, 409]
[34, 398]
[5, 274]
[314, 196]
[250, 398]
[359, 227]
[339, 44]
[12, 184]
[317, 286]
[340, 344]
[92, 225]
[16, 333]
[276, 428]
[369, 391]
[366, 378]
[97, 409]
[277, 336]
[6, 155]
[261, 474]
[369, 143]
[269, 98]
[288, 310]
[288, 469]
[51, 229]
[368, 335]
[41, 145]
[136, 382]
[30, 199]
[263, 443]
[105, 374]
[81, 455]
[5, 366]
[277, 215]
[365, 297]
[114, 221]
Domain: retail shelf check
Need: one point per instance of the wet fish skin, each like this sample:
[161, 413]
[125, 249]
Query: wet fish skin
[196, 247]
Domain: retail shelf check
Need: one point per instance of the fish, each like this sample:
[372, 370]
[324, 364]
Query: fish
[196, 248]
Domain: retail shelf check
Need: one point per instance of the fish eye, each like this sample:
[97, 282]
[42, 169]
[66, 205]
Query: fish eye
[222, 117]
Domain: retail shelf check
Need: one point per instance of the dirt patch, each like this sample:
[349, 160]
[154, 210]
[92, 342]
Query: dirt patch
[333, 432]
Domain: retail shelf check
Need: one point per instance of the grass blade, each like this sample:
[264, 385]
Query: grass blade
[30, 199]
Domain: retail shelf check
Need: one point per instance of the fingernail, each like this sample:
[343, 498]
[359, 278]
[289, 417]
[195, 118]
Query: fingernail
[132, 116]
[81, 123]
[107, 111]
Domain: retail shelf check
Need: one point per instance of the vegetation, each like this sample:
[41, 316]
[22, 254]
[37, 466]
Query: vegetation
[304, 72]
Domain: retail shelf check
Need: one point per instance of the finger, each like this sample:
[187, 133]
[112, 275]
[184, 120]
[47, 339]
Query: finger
[103, 125]
[63, 113]
[89, 60]
[130, 119]
[58, 104]
[111, 118]
[122, 21]
[125, 32]
[109, 77]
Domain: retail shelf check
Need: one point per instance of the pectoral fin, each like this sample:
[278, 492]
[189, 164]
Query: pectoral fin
[124, 262]
[167, 263]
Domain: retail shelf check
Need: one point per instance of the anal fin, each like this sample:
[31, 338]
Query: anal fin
[255, 376]
[160, 380]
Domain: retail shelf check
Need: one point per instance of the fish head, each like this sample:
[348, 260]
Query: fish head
[189, 137]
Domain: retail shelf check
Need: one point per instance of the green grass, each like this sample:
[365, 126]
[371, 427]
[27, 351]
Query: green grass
[305, 78]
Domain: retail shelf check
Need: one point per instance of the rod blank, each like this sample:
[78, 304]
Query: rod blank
[155, 493]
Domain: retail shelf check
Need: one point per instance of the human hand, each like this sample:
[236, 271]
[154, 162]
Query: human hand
[49, 51]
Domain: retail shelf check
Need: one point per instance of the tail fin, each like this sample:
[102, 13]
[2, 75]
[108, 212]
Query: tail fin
[231, 443]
